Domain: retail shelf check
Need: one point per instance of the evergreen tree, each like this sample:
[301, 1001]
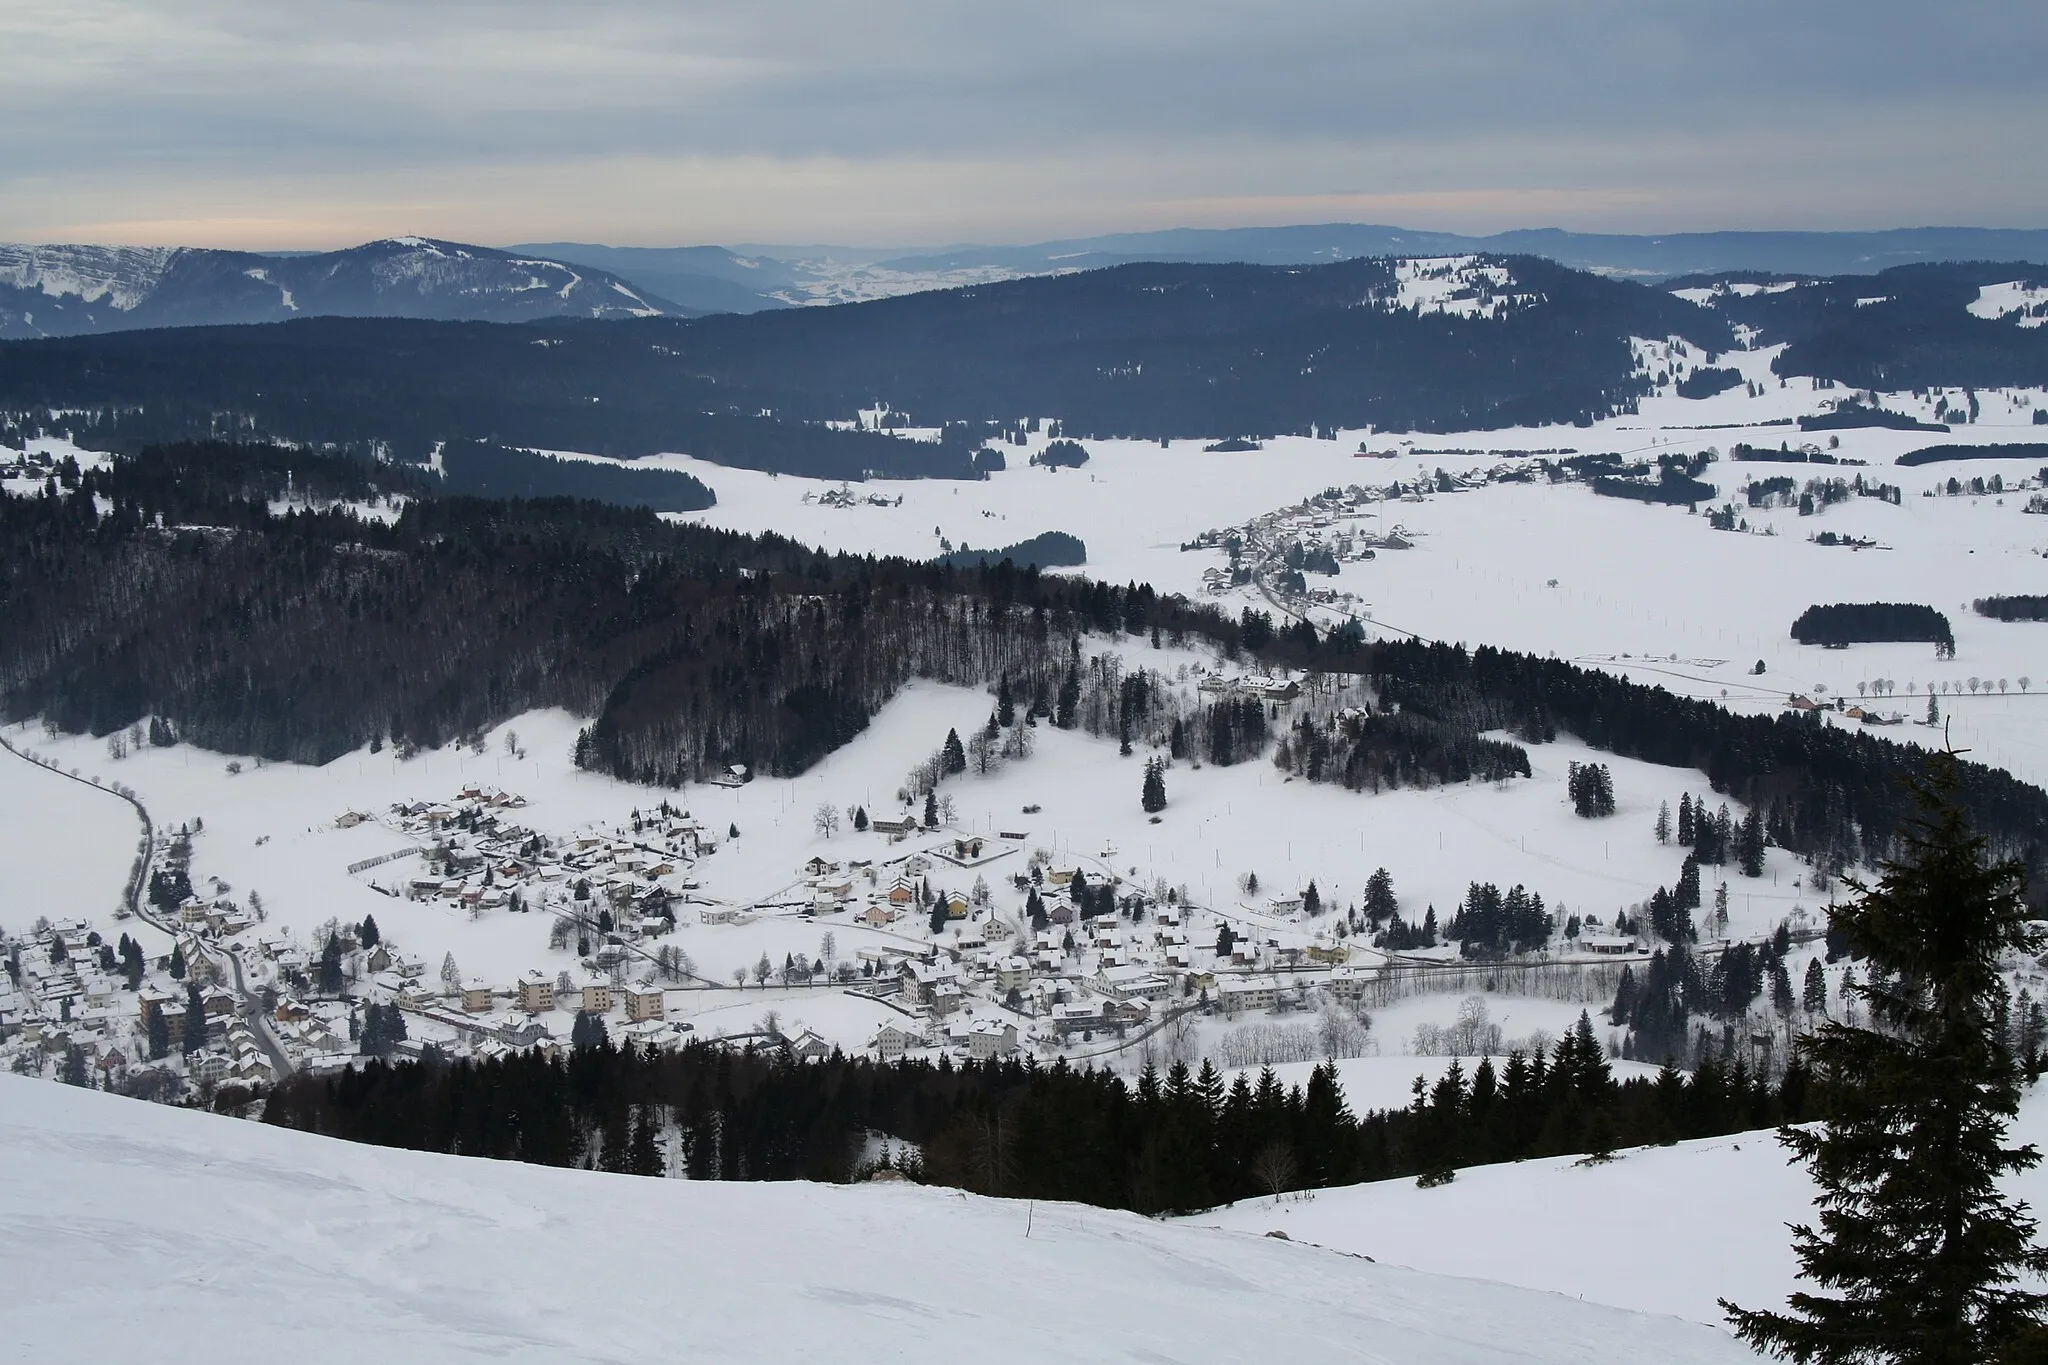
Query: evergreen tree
[195, 1019]
[1006, 705]
[1153, 797]
[1685, 820]
[177, 962]
[931, 810]
[369, 935]
[1380, 902]
[860, 819]
[1226, 940]
[1663, 822]
[1064, 716]
[952, 756]
[159, 1035]
[328, 975]
[1311, 901]
[1749, 845]
[1813, 997]
[938, 919]
[1921, 1248]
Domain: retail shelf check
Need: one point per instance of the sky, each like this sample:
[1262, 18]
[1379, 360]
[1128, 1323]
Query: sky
[320, 123]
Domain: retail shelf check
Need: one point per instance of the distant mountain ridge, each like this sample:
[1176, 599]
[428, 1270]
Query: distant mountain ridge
[1634, 256]
[751, 278]
[68, 290]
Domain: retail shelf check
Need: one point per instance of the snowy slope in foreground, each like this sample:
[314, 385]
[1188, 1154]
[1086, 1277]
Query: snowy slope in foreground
[1659, 1230]
[242, 1243]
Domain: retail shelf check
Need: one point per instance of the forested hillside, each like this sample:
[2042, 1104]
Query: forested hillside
[1909, 327]
[1143, 350]
[304, 635]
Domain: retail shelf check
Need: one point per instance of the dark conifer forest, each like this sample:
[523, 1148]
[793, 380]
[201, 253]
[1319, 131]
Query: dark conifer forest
[1848, 623]
[1176, 1142]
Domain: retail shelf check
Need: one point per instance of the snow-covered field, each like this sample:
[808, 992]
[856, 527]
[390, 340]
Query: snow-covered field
[1659, 1230]
[116, 1214]
[1555, 570]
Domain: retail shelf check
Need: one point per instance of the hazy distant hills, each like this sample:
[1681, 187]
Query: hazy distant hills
[1152, 350]
[1638, 257]
[66, 290]
[750, 278]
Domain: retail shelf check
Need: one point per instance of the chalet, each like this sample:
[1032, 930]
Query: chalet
[921, 980]
[1345, 985]
[644, 1003]
[1607, 945]
[902, 893]
[536, 993]
[818, 867]
[1249, 995]
[1081, 1015]
[521, 1030]
[719, 914]
[956, 905]
[654, 1033]
[1329, 954]
[809, 1047]
[891, 1042]
[1134, 983]
[991, 1038]
[878, 914]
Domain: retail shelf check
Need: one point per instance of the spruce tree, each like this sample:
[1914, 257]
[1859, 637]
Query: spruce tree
[1380, 902]
[1814, 993]
[1918, 1254]
[952, 756]
[195, 1019]
[1663, 822]
[1153, 797]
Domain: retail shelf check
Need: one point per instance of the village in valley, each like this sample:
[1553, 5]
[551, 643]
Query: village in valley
[479, 900]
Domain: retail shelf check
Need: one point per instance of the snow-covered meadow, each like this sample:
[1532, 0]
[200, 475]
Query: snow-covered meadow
[1657, 1230]
[297, 1247]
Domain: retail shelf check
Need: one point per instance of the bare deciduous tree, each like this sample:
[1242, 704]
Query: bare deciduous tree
[1275, 1168]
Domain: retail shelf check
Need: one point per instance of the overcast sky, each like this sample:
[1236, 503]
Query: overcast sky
[310, 123]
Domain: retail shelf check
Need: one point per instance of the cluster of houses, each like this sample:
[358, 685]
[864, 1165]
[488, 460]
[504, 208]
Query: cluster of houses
[1842, 706]
[63, 1009]
[478, 858]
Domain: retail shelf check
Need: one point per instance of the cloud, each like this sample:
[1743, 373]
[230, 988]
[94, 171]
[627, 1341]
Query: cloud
[912, 121]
